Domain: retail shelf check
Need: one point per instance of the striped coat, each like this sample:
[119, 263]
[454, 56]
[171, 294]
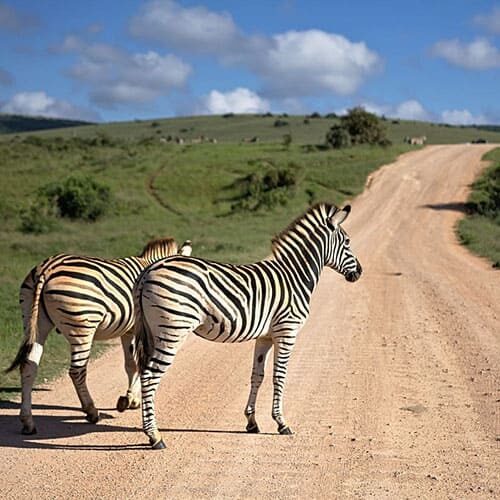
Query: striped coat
[84, 298]
[267, 302]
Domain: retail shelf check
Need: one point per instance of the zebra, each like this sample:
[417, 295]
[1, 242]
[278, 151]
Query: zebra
[267, 301]
[84, 298]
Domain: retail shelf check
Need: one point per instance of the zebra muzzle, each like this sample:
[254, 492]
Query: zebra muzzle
[353, 276]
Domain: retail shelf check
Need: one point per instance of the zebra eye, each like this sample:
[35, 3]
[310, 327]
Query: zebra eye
[347, 241]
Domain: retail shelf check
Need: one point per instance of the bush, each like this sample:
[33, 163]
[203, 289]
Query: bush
[281, 123]
[485, 196]
[338, 137]
[265, 189]
[363, 127]
[38, 218]
[357, 127]
[77, 198]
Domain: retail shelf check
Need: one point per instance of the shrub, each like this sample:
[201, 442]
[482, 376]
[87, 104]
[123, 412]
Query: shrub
[38, 218]
[485, 196]
[338, 137]
[77, 198]
[280, 123]
[357, 127]
[363, 127]
[265, 189]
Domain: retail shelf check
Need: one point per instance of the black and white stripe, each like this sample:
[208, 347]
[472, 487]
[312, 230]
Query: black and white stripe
[84, 298]
[267, 302]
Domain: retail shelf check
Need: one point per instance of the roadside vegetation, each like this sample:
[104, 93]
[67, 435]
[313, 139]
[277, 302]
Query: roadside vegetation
[480, 230]
[231, 184]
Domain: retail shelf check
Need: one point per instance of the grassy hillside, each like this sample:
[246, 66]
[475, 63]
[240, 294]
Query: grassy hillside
[17, 123]
[160, 188]
[480, 230]
[235, 128]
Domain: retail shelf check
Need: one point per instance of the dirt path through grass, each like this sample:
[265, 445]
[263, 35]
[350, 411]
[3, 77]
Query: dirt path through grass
[393, 388]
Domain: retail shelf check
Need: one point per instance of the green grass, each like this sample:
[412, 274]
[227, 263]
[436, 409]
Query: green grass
[480, 233]
[163, 189]
[158, 190]
[235, 128]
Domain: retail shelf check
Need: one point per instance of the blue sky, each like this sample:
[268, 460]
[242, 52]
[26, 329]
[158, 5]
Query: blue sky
[121, 60]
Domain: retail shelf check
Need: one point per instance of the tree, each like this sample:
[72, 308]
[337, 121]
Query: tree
[363, 127]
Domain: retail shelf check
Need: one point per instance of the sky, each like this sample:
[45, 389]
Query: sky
[115, 60]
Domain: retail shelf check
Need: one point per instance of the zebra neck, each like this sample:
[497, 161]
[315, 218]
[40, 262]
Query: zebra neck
[303, 264]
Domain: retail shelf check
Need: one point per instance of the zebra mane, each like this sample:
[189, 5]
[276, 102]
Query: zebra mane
[319, 211]
[161, 247]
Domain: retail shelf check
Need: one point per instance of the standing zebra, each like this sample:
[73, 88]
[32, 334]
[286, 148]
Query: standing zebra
[84, 298]
[267, 302]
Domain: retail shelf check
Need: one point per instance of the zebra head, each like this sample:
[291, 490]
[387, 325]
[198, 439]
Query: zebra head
[339, 255]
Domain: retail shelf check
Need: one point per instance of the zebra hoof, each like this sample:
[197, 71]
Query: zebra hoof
[28, 431]
[285, 430]
[253, 429]
[159, 445]
[122, 403]
[93, 418]
[134, 404]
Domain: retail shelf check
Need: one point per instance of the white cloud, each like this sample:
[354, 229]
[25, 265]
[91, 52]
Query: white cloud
[406, 110]
[240, 100]
[462, 117]
[312, 62]
[290, 64]
[412, 110]
[191, 28]
[479, 54]
[490, 21]
[40, 104]
[119, 77]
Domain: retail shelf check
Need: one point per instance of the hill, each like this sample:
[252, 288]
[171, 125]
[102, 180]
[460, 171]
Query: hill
[228, 197]
[268, 128]
[17, 123]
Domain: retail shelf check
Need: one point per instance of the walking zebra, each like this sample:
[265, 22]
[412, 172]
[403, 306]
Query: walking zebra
[267, 302]
[85, 298]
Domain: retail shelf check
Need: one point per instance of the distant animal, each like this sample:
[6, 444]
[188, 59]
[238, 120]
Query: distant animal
[267, 302]
[418, 141]
[250, 139]
[84, 298]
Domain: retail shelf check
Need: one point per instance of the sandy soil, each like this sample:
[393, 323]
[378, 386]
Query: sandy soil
[393, 388]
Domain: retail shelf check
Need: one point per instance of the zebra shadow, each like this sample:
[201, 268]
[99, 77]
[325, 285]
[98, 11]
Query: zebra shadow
[66, 422]
[215, 431]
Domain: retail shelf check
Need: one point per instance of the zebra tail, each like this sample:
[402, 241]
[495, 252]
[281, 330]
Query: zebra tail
[31, 333]
[142, 333]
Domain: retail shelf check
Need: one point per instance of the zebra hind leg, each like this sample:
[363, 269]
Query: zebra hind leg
[262, 347]
[81, 343]
[132, 399]
[167, 343]
[29, 370]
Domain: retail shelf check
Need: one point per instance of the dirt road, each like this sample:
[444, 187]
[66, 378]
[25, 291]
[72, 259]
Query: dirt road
[393, 388]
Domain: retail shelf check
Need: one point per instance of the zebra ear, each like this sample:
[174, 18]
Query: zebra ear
[186, 248]
[340, 216]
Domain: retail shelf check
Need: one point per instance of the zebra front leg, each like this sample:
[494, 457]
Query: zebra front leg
[262, 346]
[80, 352]
[132, 399]
[283, 346]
